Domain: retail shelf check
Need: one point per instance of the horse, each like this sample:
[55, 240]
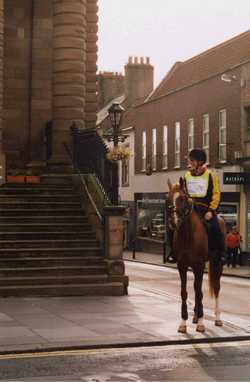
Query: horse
[190, 245]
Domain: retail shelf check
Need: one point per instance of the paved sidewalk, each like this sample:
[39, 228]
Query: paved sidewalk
[153, 258]
[30, 324]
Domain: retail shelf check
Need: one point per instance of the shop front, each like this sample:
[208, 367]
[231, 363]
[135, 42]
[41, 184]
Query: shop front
[150, 222]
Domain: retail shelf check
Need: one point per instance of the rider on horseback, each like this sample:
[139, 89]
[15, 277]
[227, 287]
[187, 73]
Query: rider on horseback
[203, 188]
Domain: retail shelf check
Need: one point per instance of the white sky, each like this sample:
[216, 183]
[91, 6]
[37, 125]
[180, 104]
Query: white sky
[165, 30]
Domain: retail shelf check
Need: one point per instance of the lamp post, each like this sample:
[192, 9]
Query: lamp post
[115, 135]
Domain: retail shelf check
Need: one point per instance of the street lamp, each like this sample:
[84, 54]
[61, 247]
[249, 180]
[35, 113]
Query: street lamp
[115, 135]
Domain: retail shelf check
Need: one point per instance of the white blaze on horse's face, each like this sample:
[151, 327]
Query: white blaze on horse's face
[175, 196]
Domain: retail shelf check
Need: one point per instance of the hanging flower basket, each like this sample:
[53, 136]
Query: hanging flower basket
[118, 153]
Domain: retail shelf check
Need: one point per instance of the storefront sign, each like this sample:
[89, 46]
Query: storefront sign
[236, 178]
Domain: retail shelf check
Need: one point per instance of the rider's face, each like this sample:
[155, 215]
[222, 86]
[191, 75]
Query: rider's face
[193, 164]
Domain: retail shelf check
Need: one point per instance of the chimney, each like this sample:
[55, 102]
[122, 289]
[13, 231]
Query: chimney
[139, 79]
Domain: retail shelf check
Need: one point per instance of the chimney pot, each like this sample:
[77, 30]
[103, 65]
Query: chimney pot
[142, 60]
[130, 60]
[148, 60]
[136, 60]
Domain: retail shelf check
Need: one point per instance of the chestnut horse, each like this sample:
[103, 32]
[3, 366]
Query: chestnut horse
[190, 245]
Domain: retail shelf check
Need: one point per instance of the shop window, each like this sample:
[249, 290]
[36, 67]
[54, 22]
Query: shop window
[151, 219]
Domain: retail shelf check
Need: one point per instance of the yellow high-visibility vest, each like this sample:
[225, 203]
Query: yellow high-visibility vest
[197, 186]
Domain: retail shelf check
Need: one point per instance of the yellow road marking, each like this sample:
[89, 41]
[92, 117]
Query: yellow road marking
[68, 353]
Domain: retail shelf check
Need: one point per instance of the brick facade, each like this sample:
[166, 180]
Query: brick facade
[206, 97]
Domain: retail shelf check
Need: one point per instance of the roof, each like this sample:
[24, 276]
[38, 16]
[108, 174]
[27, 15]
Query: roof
[103, 113]
[212, 62]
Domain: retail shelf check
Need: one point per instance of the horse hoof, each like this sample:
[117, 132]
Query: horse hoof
[182, 329]
[218, 323]
[195, 320]
[200, 328]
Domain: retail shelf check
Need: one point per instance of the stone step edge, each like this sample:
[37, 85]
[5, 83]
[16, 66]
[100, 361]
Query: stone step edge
[56, 267]
[33, 258]
[43, 232]
[84, 277]
[42, 241]
[60, 286]
[50, 249]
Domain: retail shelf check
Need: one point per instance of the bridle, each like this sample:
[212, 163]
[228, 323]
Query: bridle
[176, 215]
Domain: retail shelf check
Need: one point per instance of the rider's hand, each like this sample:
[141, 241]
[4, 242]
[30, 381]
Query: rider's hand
[208, 215]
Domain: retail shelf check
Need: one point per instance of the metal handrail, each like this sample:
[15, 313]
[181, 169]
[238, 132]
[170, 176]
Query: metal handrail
[84, 184]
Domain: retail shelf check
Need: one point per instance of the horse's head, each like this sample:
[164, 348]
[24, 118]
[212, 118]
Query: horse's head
[183, 203]
[178, 202]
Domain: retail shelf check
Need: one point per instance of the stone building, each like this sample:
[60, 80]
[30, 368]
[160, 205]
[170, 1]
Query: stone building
[48, 63]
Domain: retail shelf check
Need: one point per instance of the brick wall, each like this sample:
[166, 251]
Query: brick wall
[207, 97]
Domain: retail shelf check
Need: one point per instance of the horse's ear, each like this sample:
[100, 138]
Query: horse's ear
[182, 184]
[169, 185]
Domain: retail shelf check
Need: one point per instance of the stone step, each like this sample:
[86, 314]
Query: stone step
[46, 235]
[59, 270]
[40, 198]
[30, 262]
[51, 280]
[65, 251]
[56, 179]
[44, 219]
[15, 191]
[38, 204]
[24, 227]
[52, 243]
[93, 289]
[41, 212]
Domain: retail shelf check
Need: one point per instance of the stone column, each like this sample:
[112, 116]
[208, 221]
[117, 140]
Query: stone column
[2, 156]
[69, 66]
[91, 64]
[1, 67]
[113, 217]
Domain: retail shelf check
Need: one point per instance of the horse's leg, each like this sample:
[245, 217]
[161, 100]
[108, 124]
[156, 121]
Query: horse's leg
[184, 312]
[217, 321]
[198, 279]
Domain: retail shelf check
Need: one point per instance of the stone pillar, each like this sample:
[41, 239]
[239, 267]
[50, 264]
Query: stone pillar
[2, 156]
[69, 67]
[114, 228]
[41, 73]
[1, 67]
[91, 64]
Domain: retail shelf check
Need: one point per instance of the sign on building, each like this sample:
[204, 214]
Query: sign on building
[236, 178]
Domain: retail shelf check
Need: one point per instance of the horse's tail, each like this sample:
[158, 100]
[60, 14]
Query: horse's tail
[214, 274]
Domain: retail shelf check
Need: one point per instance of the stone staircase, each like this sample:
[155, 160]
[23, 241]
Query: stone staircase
[47, 246]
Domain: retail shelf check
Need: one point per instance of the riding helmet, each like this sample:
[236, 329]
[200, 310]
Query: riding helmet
[198, 154]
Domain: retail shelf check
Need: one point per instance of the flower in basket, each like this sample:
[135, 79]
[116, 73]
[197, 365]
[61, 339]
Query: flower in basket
[118, 153]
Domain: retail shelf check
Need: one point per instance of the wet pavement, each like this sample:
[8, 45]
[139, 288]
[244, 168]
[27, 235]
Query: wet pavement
[141, 317]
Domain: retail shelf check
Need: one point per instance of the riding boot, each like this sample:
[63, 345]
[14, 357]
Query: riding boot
[171, 256]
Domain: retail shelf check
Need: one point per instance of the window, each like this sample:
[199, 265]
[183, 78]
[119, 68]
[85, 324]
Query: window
[222, 136]
[144, 150]
[154, 160]
[190, 134]
[125, 173]
[165, 148]
[205, 135]
[177, 159]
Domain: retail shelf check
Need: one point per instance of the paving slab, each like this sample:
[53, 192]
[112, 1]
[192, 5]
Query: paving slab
[142, 317]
